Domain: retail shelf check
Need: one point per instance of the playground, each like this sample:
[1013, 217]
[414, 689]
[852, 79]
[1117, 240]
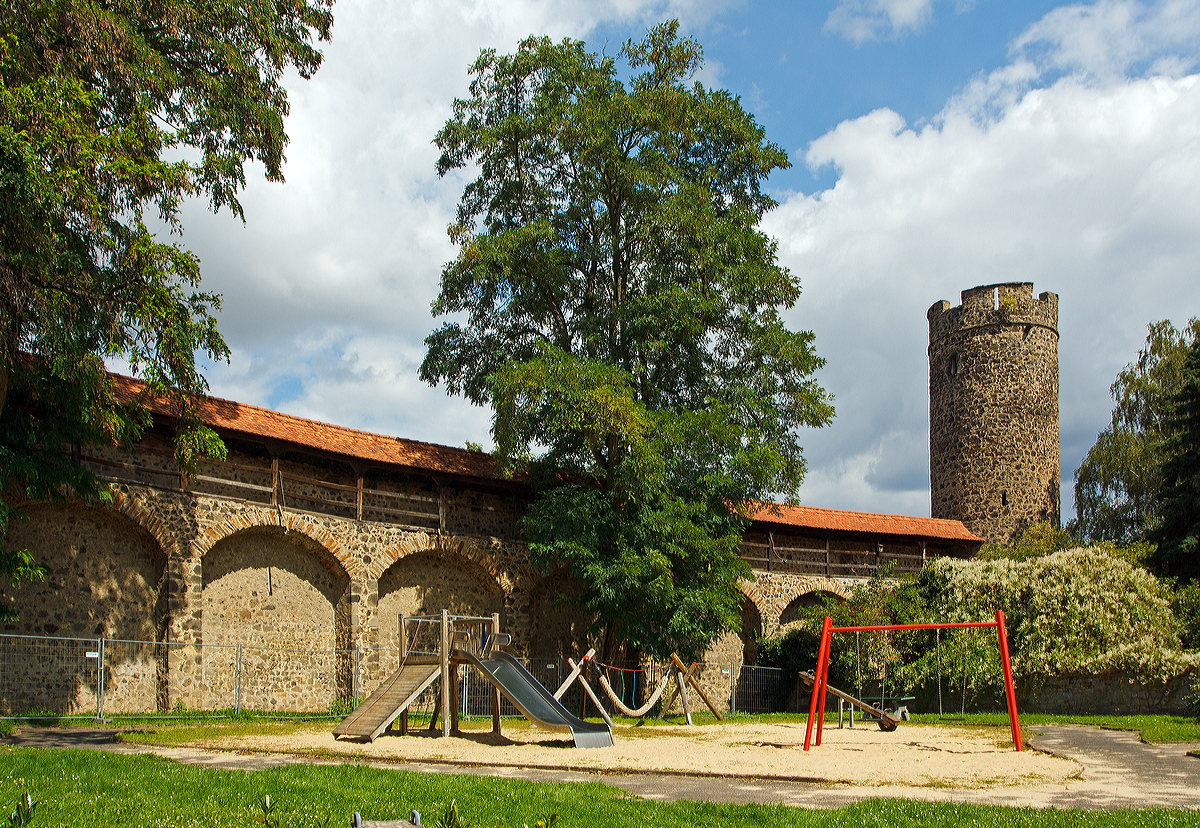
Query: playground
[916, 755]
[927, 755]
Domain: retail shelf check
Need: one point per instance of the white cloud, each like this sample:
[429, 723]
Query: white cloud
[1085, 187]
[1112, 38]
[861, 20]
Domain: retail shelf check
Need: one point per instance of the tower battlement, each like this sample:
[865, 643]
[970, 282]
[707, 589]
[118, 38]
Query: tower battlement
[993, 409]
[1011, 303]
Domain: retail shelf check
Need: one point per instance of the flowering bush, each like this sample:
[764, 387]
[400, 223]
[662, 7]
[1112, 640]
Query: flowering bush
[1078, 611]
[1072, 612]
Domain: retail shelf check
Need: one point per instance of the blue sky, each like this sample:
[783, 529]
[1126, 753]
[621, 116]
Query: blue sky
[801, 76]
[936, 144]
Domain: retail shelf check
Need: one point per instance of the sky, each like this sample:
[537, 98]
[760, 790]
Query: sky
[935, 145]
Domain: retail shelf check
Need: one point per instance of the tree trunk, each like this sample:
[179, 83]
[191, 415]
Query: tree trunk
[4, 372]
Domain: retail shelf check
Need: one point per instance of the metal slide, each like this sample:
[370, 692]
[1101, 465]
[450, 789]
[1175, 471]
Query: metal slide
[391, 698]
[534, 701]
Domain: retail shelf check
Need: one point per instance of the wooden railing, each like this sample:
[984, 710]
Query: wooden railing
[825, 560]
[268, 486]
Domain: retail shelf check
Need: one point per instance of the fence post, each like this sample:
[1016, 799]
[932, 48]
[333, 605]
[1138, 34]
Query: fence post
[357, 677]
[237, 680]
[732, 690]
[100, 680]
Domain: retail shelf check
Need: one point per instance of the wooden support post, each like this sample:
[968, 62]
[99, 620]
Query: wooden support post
[770, 553]
[827, 557]
[359, 498]
[587, 688]
[680, 678]
[674, 692]
[445, 663]
[274, 481]
[495, 689]
[441, 506]
[691, 679]
[455, 698]
[574, 674]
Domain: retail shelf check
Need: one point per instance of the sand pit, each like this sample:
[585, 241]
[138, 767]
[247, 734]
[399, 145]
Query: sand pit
[914, 755]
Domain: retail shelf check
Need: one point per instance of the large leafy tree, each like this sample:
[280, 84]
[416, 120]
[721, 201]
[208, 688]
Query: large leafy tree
[619, 308]
[1178, 533]
[1118, 483]
[109, 109]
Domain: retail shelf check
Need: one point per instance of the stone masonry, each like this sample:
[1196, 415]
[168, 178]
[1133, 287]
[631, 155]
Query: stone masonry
[196, 589]
[993, 410]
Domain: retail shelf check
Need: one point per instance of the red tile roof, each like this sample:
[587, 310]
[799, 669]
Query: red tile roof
[811, 517]
[234, 418]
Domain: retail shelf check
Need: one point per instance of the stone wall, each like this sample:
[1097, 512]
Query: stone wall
[221, 597]
[1110, 694]
[993, 410]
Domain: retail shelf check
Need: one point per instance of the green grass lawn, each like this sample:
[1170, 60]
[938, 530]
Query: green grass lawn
[88, 788]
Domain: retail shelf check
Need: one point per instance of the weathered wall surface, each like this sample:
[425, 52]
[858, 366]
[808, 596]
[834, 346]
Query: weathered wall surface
[210, 573]
[269, 590]
[105, 575]
[993, 410]
[1110, 694]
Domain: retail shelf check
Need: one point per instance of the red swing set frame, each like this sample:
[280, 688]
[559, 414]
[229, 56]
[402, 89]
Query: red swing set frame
[816, 709]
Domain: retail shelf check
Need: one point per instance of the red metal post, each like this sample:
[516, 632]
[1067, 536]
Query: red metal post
[824, 685]
[1009, 692]
[822, 650]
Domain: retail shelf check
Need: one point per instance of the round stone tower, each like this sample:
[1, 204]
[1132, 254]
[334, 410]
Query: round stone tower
[993, 410]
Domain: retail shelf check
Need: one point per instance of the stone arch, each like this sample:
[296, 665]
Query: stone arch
[810, 598]
[753, 592]
[473, 550]
[423, 581]
[265, 518]
[282, 600]
[106, 579]
[741, 646]
[140, 513]
[106, 574]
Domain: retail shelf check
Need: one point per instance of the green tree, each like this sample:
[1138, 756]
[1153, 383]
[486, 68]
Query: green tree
[1178, 533]
[109, 109]
[620, 310]
[1117, 485]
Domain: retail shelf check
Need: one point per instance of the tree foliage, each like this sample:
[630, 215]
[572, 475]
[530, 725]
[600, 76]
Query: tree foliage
[620, 310]
[1117, 485]
[1178, 533]
[109, 110]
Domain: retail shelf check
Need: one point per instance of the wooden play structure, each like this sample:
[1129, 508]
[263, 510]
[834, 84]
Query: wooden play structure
[472, 641]
[682, 675]
[820, 683]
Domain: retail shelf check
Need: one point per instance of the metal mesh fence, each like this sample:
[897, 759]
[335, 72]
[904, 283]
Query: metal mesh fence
[97, 677]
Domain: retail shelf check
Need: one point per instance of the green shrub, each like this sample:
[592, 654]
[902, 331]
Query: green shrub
[1186, 606]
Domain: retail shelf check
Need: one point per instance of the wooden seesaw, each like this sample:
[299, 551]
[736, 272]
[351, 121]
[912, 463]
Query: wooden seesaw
[887, 723]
